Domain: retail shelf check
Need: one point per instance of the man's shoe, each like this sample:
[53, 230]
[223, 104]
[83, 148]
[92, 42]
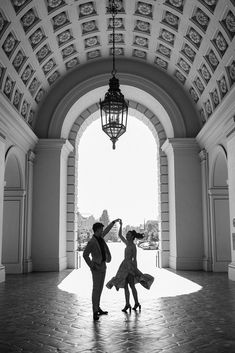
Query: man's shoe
[101, 312]
[95, 316]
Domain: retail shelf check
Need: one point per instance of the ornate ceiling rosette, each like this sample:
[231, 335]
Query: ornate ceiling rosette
[161, 63]
[167, 36]
[215, 98]
[184, 65]
[177, 5]
[71, 63]
[29, 20]
[142, 26]
[139, 54]
[17, 98]
[2, 74]
[181, 78]
[64, 37]
[223, 87]
[87, 9]
[193, 94]
[37, 38]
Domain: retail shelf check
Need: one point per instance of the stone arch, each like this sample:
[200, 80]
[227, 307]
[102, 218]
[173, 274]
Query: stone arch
[139, 81]
[219, 169]
[13, 220]
[142, 113]
[13, 169]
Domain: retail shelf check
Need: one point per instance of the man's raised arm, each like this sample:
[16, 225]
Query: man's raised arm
[109, 227]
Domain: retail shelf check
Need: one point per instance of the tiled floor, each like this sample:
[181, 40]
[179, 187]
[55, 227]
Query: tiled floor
[184, 312]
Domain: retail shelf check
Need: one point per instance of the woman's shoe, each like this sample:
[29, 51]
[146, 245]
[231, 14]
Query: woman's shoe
[127, 307]
[136, 306]
[102, 312]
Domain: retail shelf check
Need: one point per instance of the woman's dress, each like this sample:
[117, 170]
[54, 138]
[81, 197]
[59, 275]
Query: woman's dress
[129, 267]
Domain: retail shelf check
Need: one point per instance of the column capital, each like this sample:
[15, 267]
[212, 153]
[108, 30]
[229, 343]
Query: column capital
[54, 144]
[203, 155]
[31, 156]
[174, 144]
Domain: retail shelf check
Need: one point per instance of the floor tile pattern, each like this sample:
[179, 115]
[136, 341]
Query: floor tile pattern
[38, 317]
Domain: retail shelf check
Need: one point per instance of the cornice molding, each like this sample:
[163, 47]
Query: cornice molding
[217, 126]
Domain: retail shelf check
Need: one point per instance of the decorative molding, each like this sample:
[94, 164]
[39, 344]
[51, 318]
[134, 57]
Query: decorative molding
[15, 128]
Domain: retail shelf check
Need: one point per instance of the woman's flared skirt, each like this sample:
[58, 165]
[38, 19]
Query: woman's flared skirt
[128, 268]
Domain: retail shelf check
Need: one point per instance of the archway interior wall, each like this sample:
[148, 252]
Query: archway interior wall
[13, 222]
[82, 122]
[219, 210]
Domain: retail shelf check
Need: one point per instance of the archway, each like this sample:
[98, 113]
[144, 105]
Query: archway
[159, 134]
[66, 112]
[13, 221]
[219, 202]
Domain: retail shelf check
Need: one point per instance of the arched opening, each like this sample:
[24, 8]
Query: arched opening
[219, 201]
[161, 180]
[13, 221]
[119, 184]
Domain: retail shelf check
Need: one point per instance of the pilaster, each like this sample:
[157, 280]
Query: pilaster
[50, 205]
[27, 258]
[185, 215]
[207, 254]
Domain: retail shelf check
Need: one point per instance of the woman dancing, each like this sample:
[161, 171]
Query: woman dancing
[128, 274]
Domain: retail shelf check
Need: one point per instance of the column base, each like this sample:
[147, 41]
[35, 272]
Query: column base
[27, 266]
[164, 258]
[207, 265]
[231, 271]
[50, 264]
[185, 263]
[72, 258]
[2, 274]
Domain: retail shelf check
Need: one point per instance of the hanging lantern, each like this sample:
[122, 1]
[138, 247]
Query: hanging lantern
[114, 107]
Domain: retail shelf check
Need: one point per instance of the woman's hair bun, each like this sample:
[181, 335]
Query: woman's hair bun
[137, 235]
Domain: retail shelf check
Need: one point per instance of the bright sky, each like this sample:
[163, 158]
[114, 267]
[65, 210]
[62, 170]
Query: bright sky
[124, 180]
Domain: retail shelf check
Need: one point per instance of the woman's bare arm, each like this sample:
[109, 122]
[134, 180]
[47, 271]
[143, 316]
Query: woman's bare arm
[120, 233]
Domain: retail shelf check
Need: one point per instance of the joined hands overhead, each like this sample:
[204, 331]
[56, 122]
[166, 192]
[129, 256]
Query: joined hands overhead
[118, 220]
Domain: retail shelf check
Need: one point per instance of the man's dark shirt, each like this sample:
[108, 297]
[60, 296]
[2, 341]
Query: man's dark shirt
[101, 244]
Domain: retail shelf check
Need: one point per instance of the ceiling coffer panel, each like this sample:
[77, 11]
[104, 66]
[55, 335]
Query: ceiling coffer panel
[41, 40]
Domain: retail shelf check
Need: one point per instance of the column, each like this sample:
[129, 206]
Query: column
[230, 128]
[207, 256]
[50, 205]
[27, 256]
[2, 172]
[185, 203]
[163, 211]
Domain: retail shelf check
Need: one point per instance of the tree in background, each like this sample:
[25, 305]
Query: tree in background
[112, 235]
[104, 218]
[152, 230]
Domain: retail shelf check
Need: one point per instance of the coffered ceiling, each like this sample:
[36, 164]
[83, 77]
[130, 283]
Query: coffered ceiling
[41, 40]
